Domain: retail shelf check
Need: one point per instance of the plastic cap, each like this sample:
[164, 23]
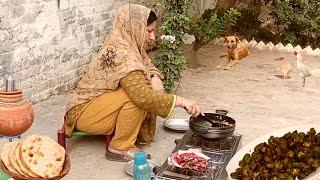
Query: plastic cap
[140, 158]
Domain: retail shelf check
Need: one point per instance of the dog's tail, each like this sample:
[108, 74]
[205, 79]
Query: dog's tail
[223, 55]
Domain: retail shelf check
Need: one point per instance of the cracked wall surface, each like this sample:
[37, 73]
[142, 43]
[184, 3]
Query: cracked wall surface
[46, 44]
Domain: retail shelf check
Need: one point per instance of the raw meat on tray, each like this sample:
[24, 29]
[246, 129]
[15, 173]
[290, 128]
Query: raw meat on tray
[191, 159]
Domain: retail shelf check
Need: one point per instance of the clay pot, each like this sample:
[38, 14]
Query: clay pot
[16, 114]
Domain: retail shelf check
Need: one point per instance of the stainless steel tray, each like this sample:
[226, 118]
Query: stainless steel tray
[178, 125]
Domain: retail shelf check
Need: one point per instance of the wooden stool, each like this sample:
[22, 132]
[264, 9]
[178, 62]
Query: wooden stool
[61, 135]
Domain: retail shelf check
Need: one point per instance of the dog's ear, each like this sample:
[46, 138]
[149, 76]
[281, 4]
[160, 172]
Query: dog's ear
[225, 39]
[237, 40]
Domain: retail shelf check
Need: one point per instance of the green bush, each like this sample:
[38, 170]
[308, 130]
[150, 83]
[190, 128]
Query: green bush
[299, 21]
[248, 25]
[170, 60]
[211, 25]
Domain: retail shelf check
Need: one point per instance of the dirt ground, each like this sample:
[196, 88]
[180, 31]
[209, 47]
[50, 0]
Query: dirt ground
[255, 98]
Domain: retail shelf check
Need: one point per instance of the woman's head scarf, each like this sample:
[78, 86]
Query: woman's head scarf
[122, 52]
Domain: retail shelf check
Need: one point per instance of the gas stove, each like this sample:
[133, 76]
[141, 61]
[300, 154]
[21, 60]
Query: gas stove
[220, 151]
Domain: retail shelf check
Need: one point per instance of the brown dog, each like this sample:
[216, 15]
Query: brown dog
[236, 51]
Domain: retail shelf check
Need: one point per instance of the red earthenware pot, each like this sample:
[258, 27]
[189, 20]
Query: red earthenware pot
[16, 114]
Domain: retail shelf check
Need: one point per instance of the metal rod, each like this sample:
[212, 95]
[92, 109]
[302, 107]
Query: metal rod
[10, 84]
[10, 138]
[175, 175]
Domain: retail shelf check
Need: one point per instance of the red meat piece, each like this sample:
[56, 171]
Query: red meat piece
[191, 161]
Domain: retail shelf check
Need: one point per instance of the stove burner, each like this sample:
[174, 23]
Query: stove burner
[210, 173]
[220, 151]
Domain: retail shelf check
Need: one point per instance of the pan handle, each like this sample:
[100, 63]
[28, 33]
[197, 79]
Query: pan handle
[222, 111]
[218, 111]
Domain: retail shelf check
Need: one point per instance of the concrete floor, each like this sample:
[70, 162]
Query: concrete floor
[255, 98]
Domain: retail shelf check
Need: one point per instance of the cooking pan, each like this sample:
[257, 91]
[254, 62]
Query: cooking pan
[201, 127]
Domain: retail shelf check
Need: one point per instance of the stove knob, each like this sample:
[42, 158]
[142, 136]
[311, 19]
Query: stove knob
[156, 169]
[177, 141]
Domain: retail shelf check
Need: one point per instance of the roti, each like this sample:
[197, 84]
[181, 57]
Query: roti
[5, 155]
[21, 165]
[43, 156]
[13, 161]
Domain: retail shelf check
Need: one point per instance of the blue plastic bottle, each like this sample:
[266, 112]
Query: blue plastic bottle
[141, 168]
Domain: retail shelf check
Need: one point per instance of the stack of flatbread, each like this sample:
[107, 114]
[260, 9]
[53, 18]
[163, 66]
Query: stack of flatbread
[35, 157]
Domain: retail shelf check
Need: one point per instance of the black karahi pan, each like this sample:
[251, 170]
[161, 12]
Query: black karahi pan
[201, 127]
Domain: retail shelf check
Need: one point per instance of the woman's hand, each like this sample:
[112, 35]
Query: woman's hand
[157, 84]
[190, 105]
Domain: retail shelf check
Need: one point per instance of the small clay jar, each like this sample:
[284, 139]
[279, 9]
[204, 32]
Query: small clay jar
[16, 114]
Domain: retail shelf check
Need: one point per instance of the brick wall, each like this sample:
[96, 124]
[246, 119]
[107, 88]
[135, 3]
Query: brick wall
[46, 44]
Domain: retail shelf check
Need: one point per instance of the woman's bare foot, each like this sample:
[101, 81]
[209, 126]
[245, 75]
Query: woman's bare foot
[114, 150]
[127, 153]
